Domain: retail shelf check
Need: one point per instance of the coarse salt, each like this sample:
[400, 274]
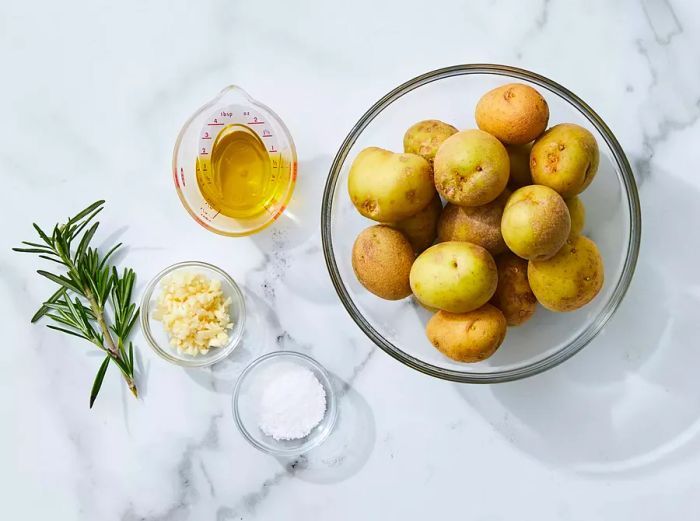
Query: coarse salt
[292, 402]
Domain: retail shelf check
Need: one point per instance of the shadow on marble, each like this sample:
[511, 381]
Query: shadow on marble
[259, 338]
[302, 217]
[629, 402]
[348, 447]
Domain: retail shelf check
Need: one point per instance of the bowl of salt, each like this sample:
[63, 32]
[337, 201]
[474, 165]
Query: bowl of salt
[284, 403]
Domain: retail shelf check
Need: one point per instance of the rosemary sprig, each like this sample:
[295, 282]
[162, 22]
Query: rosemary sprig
[88, 285]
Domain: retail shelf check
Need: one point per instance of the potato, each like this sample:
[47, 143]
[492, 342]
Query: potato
[578, 215]
[476, 224]
[570, 279]
[425, 137]
[515, 113]
[382, 259]
[471, 168]
[535, 223]
[467, 337]
[389, 187]
[421, 229]
[454, 276]
[513, 294]
[565, 159]
[519, 156]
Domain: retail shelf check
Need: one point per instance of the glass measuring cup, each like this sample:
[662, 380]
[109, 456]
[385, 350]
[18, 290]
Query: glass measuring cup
[233, 106]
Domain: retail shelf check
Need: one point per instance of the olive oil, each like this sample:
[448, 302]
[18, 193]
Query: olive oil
[238, 178]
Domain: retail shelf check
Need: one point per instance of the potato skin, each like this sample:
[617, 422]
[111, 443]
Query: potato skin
[578, 215]
[570, 279]
[389, 187]
[535, 223]
[421, 229]
[382, 259]
[454, 276]
[513, 294]
[425, 137]
[515, 113]
[565, 158]
[471, 168]
[467, 337]
[519, 156]
[476, 224]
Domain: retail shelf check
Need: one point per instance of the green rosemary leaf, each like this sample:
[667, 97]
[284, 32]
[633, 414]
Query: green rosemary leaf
[86, 240]
[98, 380]
[67, 331]
[85, 212]
[131, 357]
[41, 233]
[59, 279]
[52, 259]
[109, 254]
[44, 307]
[33, 250]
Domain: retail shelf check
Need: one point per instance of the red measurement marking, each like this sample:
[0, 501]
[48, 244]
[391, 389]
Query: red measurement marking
[256, 123]
[206, 137]
[182, 176]
[216, 215]
[204, 154]
[266, 135]
[215, 124]
[272, 149]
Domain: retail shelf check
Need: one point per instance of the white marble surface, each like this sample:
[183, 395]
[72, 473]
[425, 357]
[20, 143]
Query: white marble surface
[92, 95]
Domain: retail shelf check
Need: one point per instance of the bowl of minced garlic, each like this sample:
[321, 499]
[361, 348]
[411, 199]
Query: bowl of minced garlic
[192, 314]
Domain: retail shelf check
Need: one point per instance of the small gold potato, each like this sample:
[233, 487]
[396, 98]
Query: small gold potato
[535, 222]
[467, 337]
[476, 224]
[454, 276]
[513, 295]
[515, 113]
[421, 229]
[389, 187]
[570, 279]
[425, 137]
[565, 159]
[382, 259]
[578, 215]
[471, 168]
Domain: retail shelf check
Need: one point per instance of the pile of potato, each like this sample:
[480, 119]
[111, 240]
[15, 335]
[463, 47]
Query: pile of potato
[509, 235]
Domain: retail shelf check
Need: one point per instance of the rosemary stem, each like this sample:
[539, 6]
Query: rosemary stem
[111, 346]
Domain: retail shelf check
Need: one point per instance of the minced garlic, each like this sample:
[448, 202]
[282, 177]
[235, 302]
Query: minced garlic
[194, 312]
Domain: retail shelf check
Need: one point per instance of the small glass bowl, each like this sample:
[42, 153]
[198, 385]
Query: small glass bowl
[246, 397]
[158, 338]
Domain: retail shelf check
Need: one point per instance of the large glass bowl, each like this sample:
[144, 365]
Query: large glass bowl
[613, 222]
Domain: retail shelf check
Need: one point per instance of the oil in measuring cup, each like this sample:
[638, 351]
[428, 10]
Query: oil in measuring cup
[235, 165]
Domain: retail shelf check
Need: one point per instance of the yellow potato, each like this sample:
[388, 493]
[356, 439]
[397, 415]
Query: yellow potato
[476, 224]
[519, 156]
[565, 159]
[467, 337]
[578, 215]
[570, 279]
[515, 113]
[535, 222]
[425, 137]
[454, 276]
[513, 295]
[389, 187]
[382, 259]
[421, 229]
[471, 168]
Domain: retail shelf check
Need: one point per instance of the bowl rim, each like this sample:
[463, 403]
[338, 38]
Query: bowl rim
[331, 404]
[225, 351]
[610, 306]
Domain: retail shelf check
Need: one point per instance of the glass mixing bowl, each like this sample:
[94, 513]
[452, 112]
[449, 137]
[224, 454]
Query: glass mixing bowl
[613, 221]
